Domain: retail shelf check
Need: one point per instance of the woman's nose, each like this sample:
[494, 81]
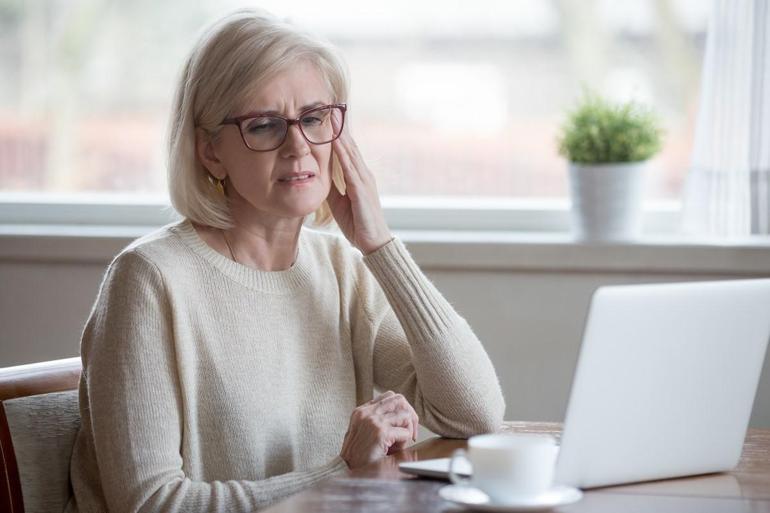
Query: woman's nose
[295, 144]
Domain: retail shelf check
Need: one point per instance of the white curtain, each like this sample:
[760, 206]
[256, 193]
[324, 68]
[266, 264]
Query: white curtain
[728, 186]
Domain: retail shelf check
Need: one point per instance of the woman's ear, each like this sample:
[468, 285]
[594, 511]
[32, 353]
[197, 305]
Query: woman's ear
[204, 149]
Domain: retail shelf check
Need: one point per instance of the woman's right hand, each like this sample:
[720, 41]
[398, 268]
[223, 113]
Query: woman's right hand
[380, 427]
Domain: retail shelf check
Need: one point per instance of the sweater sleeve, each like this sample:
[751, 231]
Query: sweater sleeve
[134, 406]
[423, 349]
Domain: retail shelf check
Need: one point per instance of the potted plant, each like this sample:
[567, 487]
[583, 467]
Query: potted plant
[608, 146]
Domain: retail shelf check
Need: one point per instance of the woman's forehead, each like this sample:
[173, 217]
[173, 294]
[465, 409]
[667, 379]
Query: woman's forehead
[290, 91]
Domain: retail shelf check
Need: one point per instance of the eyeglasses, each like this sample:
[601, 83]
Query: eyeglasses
[319, 125]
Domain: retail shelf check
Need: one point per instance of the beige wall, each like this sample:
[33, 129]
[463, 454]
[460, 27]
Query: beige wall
[527, 302]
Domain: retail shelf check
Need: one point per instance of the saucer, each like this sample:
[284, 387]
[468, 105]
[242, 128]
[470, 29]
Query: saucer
[475, 499]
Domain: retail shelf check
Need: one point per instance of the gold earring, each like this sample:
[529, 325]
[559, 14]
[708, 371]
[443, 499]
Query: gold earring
[218, 183]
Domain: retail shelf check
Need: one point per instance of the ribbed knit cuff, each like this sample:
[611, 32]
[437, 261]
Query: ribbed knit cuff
[336, 466]
[423, 311]
[285, 487]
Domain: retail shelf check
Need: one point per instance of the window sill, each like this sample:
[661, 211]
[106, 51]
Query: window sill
[446, 250]
[560, 252]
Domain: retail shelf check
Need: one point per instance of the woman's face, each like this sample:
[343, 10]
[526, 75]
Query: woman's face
[257, 181]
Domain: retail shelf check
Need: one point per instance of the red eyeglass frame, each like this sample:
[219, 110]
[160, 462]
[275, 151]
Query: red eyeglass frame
[238, 121]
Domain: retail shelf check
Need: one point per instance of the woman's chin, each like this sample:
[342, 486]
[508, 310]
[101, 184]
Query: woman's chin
[303, 210]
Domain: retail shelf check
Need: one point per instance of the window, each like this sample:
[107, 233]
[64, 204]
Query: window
[449, 99]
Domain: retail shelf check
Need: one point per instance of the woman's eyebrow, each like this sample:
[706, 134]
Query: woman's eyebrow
[277, 113]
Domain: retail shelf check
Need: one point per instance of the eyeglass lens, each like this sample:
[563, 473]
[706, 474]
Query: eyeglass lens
[319, 126]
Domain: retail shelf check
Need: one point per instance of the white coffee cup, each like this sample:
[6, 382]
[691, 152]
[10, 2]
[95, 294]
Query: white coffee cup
[508, 467]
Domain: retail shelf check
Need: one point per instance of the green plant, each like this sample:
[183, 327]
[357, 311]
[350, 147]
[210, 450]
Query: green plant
[598, 131]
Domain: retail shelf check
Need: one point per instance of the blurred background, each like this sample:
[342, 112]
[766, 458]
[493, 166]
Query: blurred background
[447, 101]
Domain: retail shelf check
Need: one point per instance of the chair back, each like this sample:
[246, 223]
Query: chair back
[39, 419]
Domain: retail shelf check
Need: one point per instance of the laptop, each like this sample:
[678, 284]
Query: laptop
[664, 386]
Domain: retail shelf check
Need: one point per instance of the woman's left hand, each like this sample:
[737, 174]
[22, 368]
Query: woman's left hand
[358, 213]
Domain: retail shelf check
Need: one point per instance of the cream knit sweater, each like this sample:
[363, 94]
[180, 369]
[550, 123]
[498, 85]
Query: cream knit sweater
[211, 386]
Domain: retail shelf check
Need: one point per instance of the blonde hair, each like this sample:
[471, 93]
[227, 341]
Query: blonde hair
[232, 58]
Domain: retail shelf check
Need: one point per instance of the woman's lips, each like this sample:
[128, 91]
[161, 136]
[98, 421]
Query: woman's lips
[297, 178]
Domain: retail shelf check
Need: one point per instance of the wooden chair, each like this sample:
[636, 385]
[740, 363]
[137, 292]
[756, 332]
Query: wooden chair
[39, 419]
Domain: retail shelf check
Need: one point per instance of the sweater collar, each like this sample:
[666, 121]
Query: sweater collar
[295, 278]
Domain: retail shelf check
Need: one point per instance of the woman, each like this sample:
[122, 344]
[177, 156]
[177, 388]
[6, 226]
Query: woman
[231, 358]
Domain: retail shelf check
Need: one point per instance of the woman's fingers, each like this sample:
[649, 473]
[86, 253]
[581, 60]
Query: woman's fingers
[407, 417]
[347, 163]
[358, 159]
[392, 402]
[379, 427]
[396, 435]
[402, 418]
[351, 159]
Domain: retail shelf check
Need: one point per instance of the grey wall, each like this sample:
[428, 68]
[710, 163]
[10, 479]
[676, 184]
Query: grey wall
[43, 307]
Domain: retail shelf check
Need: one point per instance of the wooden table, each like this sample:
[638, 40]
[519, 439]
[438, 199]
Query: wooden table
[381, 487]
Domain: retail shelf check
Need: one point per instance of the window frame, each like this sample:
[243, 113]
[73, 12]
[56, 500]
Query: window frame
[402, 213]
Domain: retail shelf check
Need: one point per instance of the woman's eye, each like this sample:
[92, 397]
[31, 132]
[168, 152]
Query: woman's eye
[312, 120]
[260, 126]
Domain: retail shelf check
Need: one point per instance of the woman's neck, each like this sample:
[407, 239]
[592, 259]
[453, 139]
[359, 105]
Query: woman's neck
[261, 247]
[266, 248]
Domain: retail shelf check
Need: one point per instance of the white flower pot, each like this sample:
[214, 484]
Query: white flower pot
[606, 200]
